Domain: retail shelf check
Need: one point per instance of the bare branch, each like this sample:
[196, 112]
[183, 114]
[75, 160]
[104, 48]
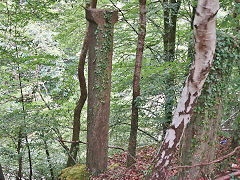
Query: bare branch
[212, 162]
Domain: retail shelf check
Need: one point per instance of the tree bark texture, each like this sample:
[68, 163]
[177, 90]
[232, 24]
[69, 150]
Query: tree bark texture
[136, 84]
[99, 86]
[205, 43]
[201, 137]
[78, 109]
[170, 12]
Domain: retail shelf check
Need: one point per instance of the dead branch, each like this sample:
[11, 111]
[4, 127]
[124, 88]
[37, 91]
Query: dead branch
[211, 162]
[226, 177]
[112, 147]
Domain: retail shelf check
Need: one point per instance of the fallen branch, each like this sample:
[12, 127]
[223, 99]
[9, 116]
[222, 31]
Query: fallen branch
[211, 162]
[229, 176]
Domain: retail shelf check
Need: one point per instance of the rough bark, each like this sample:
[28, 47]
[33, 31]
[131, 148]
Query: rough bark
[93, 3]
[78, 109]
[99, 86]
[205, 43]
[136, 84]
[199, 141]
[170, 12]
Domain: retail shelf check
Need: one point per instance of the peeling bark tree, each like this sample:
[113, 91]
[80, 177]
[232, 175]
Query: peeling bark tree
[136, 84]
[99, 86]
[199, 142]
[205, 43]
[78, 109]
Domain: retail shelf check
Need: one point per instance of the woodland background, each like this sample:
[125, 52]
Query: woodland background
[40, 47]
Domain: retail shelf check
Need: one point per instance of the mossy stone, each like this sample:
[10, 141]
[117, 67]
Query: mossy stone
[77, 172]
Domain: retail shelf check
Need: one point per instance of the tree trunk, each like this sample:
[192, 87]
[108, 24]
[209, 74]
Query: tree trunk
[29, 159]
[1, 173]
[170, 11]
[78, 109]
[136, 84]
[205, 43]
[199, 141]
[19, 147]
[236, 124]
[99, 86]
[201, 137]
[48, 157]
[49, 160]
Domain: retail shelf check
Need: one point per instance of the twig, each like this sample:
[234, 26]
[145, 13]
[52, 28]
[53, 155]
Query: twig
[124, 18]
[112, 147]
[146, 133]
[62, 143]
[211, 162]
[229, 176]
[232, 116]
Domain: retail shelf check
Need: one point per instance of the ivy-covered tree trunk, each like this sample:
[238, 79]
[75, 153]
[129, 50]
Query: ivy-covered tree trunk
[170, 12]
[99, 86]
[236, 124]
[78, 109]
[136, 84]
[201, 137]
[205, 43]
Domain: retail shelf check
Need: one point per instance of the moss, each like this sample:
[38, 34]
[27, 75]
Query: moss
[77, 172]
[103, 49]
[113, 166]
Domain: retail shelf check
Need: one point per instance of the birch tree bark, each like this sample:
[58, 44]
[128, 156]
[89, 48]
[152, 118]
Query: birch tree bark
[205, 43]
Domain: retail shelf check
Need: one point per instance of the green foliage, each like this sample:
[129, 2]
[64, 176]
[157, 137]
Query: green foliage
[40, 43]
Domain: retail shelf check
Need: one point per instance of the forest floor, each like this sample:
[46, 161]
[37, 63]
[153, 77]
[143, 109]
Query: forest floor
[117, 169]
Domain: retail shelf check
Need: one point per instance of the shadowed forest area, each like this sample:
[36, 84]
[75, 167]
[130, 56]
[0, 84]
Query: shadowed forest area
[119, 89]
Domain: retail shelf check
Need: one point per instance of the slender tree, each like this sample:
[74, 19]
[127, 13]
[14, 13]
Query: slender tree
[29, 158]
[78, 109]
[170, 12]
[205, 43]
[48, 156]
[136, 83]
